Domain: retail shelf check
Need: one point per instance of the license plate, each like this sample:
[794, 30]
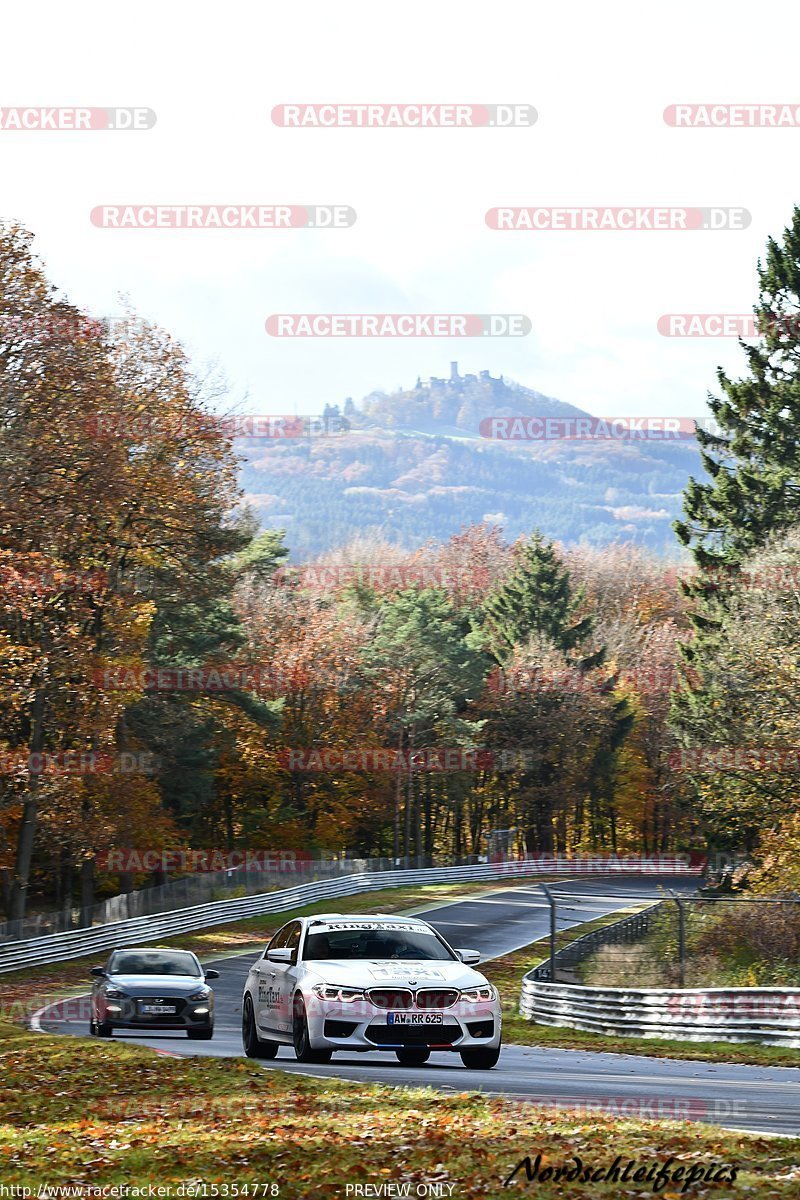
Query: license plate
[415, 1018]
[156, 1009]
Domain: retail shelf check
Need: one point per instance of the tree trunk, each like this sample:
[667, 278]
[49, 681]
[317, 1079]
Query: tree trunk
[409, 799]
[66, 866]
[22, 866]
[87, 892]
[428, 821]
[30, 811]
[398, 791]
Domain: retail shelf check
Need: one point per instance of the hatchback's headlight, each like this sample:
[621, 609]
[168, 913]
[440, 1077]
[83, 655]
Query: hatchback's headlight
[473, 995]
[115, 993]
[346, 995]
[198, 996]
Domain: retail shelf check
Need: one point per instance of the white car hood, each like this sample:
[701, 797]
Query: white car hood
[369, 973]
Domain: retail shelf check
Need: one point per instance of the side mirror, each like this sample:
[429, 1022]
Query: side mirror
[281, 956]
[211, 974]
[469, 957]
[98, 972]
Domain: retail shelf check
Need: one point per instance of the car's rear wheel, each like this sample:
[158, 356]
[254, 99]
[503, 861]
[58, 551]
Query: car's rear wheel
[253, 1045]
[200, 1035]
[413, 1056]
[301, 1038]
[480, 1060]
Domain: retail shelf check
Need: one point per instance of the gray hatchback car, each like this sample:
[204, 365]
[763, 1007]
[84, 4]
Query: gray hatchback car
[152, 989]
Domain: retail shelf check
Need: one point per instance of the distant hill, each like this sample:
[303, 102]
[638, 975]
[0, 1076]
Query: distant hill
[412, 467]
[455, 405]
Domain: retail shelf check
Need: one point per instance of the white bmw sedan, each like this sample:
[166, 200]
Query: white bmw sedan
[363, 983]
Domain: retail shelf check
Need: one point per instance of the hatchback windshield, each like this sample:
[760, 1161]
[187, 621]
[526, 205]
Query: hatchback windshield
[153, 962]
[375, 944]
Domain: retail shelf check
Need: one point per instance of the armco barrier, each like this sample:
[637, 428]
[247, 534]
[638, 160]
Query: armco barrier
[767, 1015]
[75, 943]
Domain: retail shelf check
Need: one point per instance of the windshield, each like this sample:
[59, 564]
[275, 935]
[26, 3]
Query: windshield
[376, 944]
[153, 962]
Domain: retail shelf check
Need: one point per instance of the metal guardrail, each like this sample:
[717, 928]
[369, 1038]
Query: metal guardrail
[194, 888]
[76, 943]
[770, 1016]
[767, 1015]
[251, 878]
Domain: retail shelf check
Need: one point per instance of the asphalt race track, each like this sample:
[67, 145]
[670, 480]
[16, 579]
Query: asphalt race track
[764, 1099]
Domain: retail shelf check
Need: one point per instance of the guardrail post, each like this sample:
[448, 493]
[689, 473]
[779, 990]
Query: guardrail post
[552, 902]
[681, 941]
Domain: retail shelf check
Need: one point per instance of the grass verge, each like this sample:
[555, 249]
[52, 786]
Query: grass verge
[75, 1112]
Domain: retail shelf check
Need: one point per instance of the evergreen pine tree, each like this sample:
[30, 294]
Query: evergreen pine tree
[753, 460]
[753, 455]
[537, 598]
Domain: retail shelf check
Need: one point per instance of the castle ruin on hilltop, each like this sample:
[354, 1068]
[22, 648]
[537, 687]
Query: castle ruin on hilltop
[435, 384]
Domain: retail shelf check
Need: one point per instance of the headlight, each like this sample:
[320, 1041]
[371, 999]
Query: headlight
[199, 996]
[113, 993]
[346, 995]
[473, 995]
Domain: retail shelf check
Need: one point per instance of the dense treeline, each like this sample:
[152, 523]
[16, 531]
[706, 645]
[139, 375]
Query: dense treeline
[414, 489]
[168, 681]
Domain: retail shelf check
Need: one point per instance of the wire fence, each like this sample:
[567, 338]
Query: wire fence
[682, 941]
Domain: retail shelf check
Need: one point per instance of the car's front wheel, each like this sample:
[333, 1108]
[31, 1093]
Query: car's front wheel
[200, 1035]
[301, 1038]
[413, 1056]
[480, 1060]
[253, 1045]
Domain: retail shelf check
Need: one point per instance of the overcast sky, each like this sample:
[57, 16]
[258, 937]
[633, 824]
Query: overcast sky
[599, 77]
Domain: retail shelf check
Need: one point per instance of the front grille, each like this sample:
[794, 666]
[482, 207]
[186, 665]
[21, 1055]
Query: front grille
[400, 999]
[413, 1035]
[396, 999]
[481, 1029]
[340, 1029]
[436, 998]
